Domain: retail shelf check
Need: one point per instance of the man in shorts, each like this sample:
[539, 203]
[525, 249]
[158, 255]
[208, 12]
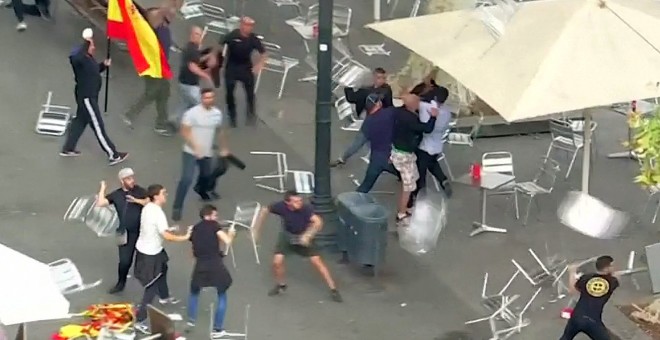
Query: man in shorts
[408, 131]
[299, 226]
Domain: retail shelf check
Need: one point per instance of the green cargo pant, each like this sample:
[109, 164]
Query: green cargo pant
[155, 90]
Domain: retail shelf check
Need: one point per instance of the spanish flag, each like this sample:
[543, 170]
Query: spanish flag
[126, 23]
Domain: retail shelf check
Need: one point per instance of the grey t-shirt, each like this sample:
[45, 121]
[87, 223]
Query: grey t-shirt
[203, 123]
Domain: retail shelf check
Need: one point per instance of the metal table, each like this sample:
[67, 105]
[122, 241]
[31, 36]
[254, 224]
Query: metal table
[488, 181]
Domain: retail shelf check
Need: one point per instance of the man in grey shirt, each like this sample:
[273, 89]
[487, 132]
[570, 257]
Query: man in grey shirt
[199, 126]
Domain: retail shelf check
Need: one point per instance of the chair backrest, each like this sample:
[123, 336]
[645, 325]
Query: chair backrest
[275, 60]
[303, 181]
[103, 221]
[351, 74]
[561, 128]
[344, 108]
[312, 16]
[341, 18]
[80, 208]
[499, 162]
[214, 12]
[66, 276]
[246, 213]
[547, 174]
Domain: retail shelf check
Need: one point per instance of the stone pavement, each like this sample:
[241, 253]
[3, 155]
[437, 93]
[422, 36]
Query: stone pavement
[424, 297]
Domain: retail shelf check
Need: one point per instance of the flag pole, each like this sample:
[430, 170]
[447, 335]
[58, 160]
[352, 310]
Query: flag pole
[107, 80]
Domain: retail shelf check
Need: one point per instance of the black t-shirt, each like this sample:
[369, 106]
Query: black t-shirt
[191, 54]
[129, 213]
[595, 290]
[240, 48]
[293, 221]
[204, 239]
[408, 130]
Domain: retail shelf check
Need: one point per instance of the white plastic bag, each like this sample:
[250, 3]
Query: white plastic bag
[429, 217]
[590, 216]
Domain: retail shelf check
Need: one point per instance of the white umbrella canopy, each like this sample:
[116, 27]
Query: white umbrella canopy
[27, 290]
[554, 55]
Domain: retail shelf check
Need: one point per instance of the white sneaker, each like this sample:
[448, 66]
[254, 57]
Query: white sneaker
[169, 301]
[219, 334]
[21, 26]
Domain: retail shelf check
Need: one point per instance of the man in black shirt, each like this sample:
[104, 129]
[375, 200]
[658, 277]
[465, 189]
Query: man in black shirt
[595, 290]
[128, 200]
[190, 73]
[407, 134]
[240, 44]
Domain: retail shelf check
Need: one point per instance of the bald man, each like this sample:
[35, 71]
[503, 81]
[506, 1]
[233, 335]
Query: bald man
[239, 45]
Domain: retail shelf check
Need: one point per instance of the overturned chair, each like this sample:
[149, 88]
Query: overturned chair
[545, 273]
[303, 180]
[245, 216]
[53, 119]
[68, 278]
[103, 221]
[503, 320]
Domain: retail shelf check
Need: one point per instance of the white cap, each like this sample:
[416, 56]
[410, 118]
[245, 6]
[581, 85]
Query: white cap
[125, 172]
[87, 34]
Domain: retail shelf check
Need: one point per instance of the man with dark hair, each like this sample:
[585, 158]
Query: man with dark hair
[299, 226]
[379, 128]
[87, 74]
[432, 144]
[209, 270]
[191, 73]
[595, 290]
[359, 98]
[199, 126]
[128, 201]
[151, 259]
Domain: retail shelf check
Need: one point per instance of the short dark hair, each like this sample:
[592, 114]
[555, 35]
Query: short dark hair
[207, 90]
[603, 262]
[207, 210]
[290, 193]
[379, 70]
[154, 190]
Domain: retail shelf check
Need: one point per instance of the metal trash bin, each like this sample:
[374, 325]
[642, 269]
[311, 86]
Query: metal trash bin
[363, 234]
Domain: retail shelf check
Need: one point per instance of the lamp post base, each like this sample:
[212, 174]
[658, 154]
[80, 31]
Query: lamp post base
[324, 206]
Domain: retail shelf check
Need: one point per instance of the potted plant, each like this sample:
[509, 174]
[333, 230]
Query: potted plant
[645, 145]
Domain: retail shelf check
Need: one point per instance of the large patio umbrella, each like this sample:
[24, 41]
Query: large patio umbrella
[553, 56]
[27, 290]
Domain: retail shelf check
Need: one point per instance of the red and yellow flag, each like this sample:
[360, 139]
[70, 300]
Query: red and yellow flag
[126, 23]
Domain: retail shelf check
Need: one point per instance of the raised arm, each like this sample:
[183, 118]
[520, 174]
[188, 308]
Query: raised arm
[101, 199]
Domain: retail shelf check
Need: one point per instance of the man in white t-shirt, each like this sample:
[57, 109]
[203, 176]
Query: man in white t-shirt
[199, 127]
[151, 258]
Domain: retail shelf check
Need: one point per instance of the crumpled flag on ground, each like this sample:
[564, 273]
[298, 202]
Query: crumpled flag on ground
[117, 317]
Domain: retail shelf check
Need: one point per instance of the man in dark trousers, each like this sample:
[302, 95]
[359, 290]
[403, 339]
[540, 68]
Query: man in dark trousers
[240, 44]
[87, 73]
[128, 200]
[595, 290]
[39, 9]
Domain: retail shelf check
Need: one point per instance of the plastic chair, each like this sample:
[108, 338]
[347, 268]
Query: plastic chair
[542, 184]
[501, 162]
[68, 278]
[278, 63]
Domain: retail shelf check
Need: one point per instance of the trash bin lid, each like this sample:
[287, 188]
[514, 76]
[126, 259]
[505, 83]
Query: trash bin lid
[371, 213]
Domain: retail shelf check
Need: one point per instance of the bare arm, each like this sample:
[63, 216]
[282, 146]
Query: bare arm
[101, 200]
[572, 280]
[315, 225]
[172, 237]
[226, 237]
[223, 141]
[186, 133]
[194, 68]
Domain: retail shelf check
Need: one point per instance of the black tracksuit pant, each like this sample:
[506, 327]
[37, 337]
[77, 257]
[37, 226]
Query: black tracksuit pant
[126, 256]
[88, 113]
[233, 75]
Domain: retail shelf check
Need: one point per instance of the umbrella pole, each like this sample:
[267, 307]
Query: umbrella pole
[586, 157]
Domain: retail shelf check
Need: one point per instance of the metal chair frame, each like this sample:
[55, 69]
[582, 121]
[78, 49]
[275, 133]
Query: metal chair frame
[566, 139]
[548, 170]
[232, 335]
[303, 180]
[346, 110]
[548, 272]
[459, 138]
[217, 20]
[245, 216]
[53, 120]
[501, 162]
[83, 209]
[68, 278]
[278, 63]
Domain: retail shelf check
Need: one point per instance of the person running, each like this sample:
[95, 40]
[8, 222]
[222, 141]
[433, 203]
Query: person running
[299, 227]
[199, 127]
[595, 290]
[41, 8]
[128, 201]
[87, 73]
[209, 270]
[151, 258]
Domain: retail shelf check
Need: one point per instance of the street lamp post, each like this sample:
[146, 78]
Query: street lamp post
[323, 202]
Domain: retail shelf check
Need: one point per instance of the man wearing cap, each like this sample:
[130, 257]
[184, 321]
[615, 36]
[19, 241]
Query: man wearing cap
[378, 129]
[87, 74]
[239, 45]
[128, 200]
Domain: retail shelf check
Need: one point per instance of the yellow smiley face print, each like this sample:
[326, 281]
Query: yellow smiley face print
[597, 287]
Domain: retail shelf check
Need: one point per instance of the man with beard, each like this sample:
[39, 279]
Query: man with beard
[128, 201]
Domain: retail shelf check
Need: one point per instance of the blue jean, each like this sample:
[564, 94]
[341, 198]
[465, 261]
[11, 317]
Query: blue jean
[377, 164]
[189, 163]
[358, 142]
[190, 96]
[220, 308]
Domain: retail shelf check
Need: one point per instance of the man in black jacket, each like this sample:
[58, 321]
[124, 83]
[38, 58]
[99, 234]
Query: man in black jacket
[408, 131]
[87, 73]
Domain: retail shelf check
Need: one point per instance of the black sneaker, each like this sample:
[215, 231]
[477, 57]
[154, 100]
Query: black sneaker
[277, 290]
[335, 296]
[338, 162]
[118, 288]
[121, 156]
[74, 153]
[45, 13]
[214, 195]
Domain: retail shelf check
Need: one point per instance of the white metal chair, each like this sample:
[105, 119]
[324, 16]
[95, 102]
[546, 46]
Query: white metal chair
[460, 138]
[564, 139]
[303, 181]
[578, 128]
[349, 73]
[191, 9]
[103, 221]
[415, 8]
[345, 110]
[279, 174]
[542, 184]
[289, 3]
[278, 63]
[545, 273]
[501, 162]
[53, 119]
[217, 21]
[245, 216]
[68, 278]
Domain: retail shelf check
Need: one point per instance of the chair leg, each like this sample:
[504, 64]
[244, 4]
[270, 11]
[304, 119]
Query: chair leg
[437, 184]
[451, 176]
[655, 213]
[256, 83]
[646, 206]
[570, 166]
[529, 206]
[547, 154]
[279, 95]
[306, 46]
[254, 247]
[515, 202]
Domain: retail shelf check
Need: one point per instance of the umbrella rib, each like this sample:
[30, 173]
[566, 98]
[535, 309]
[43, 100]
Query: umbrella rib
[633, 29]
